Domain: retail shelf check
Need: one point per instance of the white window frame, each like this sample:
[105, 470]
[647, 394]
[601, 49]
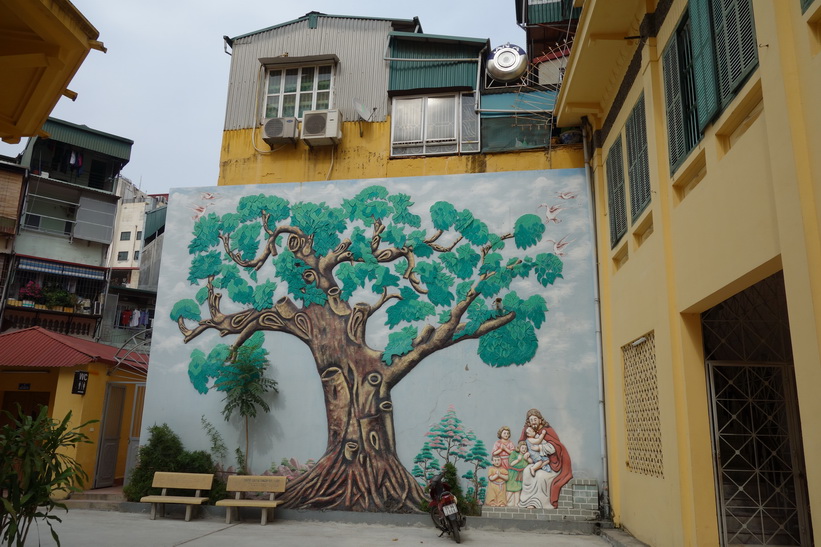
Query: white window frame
[281, 109]
[430, 146]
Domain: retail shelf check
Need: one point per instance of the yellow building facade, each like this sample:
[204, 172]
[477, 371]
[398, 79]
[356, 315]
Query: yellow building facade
[365, 155]
[709, 243]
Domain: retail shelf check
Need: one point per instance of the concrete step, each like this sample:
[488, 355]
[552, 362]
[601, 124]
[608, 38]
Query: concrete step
[93, 504]
[93, 495]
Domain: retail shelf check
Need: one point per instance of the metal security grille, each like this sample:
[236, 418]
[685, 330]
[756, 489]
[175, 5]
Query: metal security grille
[754, 454]
[760, 490]
[641, 404]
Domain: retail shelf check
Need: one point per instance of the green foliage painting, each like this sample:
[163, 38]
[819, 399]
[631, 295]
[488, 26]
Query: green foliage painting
[320, 271]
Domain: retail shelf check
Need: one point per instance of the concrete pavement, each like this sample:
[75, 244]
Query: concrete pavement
[82, 528]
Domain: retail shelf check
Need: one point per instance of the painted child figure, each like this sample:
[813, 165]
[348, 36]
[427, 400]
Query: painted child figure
[517, 462]
[539, 449]
[497, 476]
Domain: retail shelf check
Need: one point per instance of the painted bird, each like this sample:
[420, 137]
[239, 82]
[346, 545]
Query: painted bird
[566, 195]
[559, 246]
[551, 213]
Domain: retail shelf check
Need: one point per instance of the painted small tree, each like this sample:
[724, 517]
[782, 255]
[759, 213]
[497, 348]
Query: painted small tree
[245, 386]
[450, 283]
[426, 466]
[449, 437]
[478, 457]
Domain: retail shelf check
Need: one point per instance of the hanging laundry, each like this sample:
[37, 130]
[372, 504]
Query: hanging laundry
[125, 318]
[135, 318]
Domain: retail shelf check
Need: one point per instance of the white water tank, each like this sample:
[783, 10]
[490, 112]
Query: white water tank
[506, 63]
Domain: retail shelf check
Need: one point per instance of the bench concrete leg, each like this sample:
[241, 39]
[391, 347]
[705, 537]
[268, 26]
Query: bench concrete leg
[264, 516]
[153, 511]
[188, 509]
[228, 514]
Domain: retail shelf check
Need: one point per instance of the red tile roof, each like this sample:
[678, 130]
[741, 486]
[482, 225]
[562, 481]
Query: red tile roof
[38, 347]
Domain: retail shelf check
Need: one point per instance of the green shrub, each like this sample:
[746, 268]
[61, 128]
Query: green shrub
[165, 452]
[33, 464]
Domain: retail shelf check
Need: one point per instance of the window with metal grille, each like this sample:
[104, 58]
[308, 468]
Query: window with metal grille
[707, 60]
[136, 255]
[122, 256]
[440, 124]
[125, 236]
[638, 166]
[616, 208]
[641, 407]
[292, 91]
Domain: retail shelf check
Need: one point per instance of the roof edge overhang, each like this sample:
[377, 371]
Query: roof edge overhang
[396, 23]
[607, 33]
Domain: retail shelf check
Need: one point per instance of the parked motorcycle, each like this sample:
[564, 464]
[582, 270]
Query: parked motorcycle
[446, 516]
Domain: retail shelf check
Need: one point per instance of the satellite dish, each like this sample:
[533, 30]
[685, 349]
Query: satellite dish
[362, 111]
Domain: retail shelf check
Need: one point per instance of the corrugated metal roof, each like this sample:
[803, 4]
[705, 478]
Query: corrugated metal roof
[548, 11]
[410, 25]
[83, 136]
[453, 63]
[38, 347]
[154, 220]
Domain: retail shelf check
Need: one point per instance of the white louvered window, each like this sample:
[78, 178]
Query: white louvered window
[292, 91]
[441, 124]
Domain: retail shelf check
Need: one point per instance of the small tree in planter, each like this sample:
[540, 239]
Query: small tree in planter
[245, 385]
[33, 464]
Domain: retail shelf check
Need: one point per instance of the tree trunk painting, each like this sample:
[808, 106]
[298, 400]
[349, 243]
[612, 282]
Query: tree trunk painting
[447, 284]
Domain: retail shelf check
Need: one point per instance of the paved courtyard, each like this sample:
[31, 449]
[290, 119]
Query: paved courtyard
[82, 528]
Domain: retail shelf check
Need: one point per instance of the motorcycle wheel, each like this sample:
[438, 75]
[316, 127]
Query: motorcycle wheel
[454, 530]
[437, 522]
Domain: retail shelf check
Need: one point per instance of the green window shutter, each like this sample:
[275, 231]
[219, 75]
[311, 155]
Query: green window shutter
[805, 4]
[615, 193]
[673, 104]
[735, 45]
[704, 65]
[638, 166]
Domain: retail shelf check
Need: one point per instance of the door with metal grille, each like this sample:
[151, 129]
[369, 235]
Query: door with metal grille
[761, 488]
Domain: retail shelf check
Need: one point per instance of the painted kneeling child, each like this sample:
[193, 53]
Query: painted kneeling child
[497, 476]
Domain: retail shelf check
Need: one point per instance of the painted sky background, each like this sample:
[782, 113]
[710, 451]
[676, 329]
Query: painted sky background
[164, 81]
[561, 380]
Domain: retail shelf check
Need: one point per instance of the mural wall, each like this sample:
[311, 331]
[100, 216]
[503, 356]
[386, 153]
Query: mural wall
[409, 323]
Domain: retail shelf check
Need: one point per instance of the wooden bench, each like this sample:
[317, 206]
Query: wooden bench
[240, 484]
[179, 481]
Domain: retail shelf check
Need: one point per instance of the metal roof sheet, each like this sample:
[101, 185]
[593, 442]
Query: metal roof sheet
[434, 62]
[38, 347]
[409, 24]
[84, 137]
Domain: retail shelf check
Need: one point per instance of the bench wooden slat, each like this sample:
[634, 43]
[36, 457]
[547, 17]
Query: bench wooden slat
[248, 503]
[186, 481]
[173, 499]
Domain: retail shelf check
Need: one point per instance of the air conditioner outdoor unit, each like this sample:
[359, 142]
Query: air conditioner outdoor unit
[279, 130]
[321, 127]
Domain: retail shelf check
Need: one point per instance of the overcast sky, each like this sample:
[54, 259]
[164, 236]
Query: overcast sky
[164, 79]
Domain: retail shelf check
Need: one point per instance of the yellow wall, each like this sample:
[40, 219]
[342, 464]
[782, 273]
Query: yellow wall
[745, 204]
[364, 157]
[84, 408]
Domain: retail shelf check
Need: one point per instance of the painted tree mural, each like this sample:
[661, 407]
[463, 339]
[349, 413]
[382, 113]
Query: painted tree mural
[341, 266]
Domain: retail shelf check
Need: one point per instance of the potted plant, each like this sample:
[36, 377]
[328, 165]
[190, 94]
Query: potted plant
[59, 299]
[31, 294]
